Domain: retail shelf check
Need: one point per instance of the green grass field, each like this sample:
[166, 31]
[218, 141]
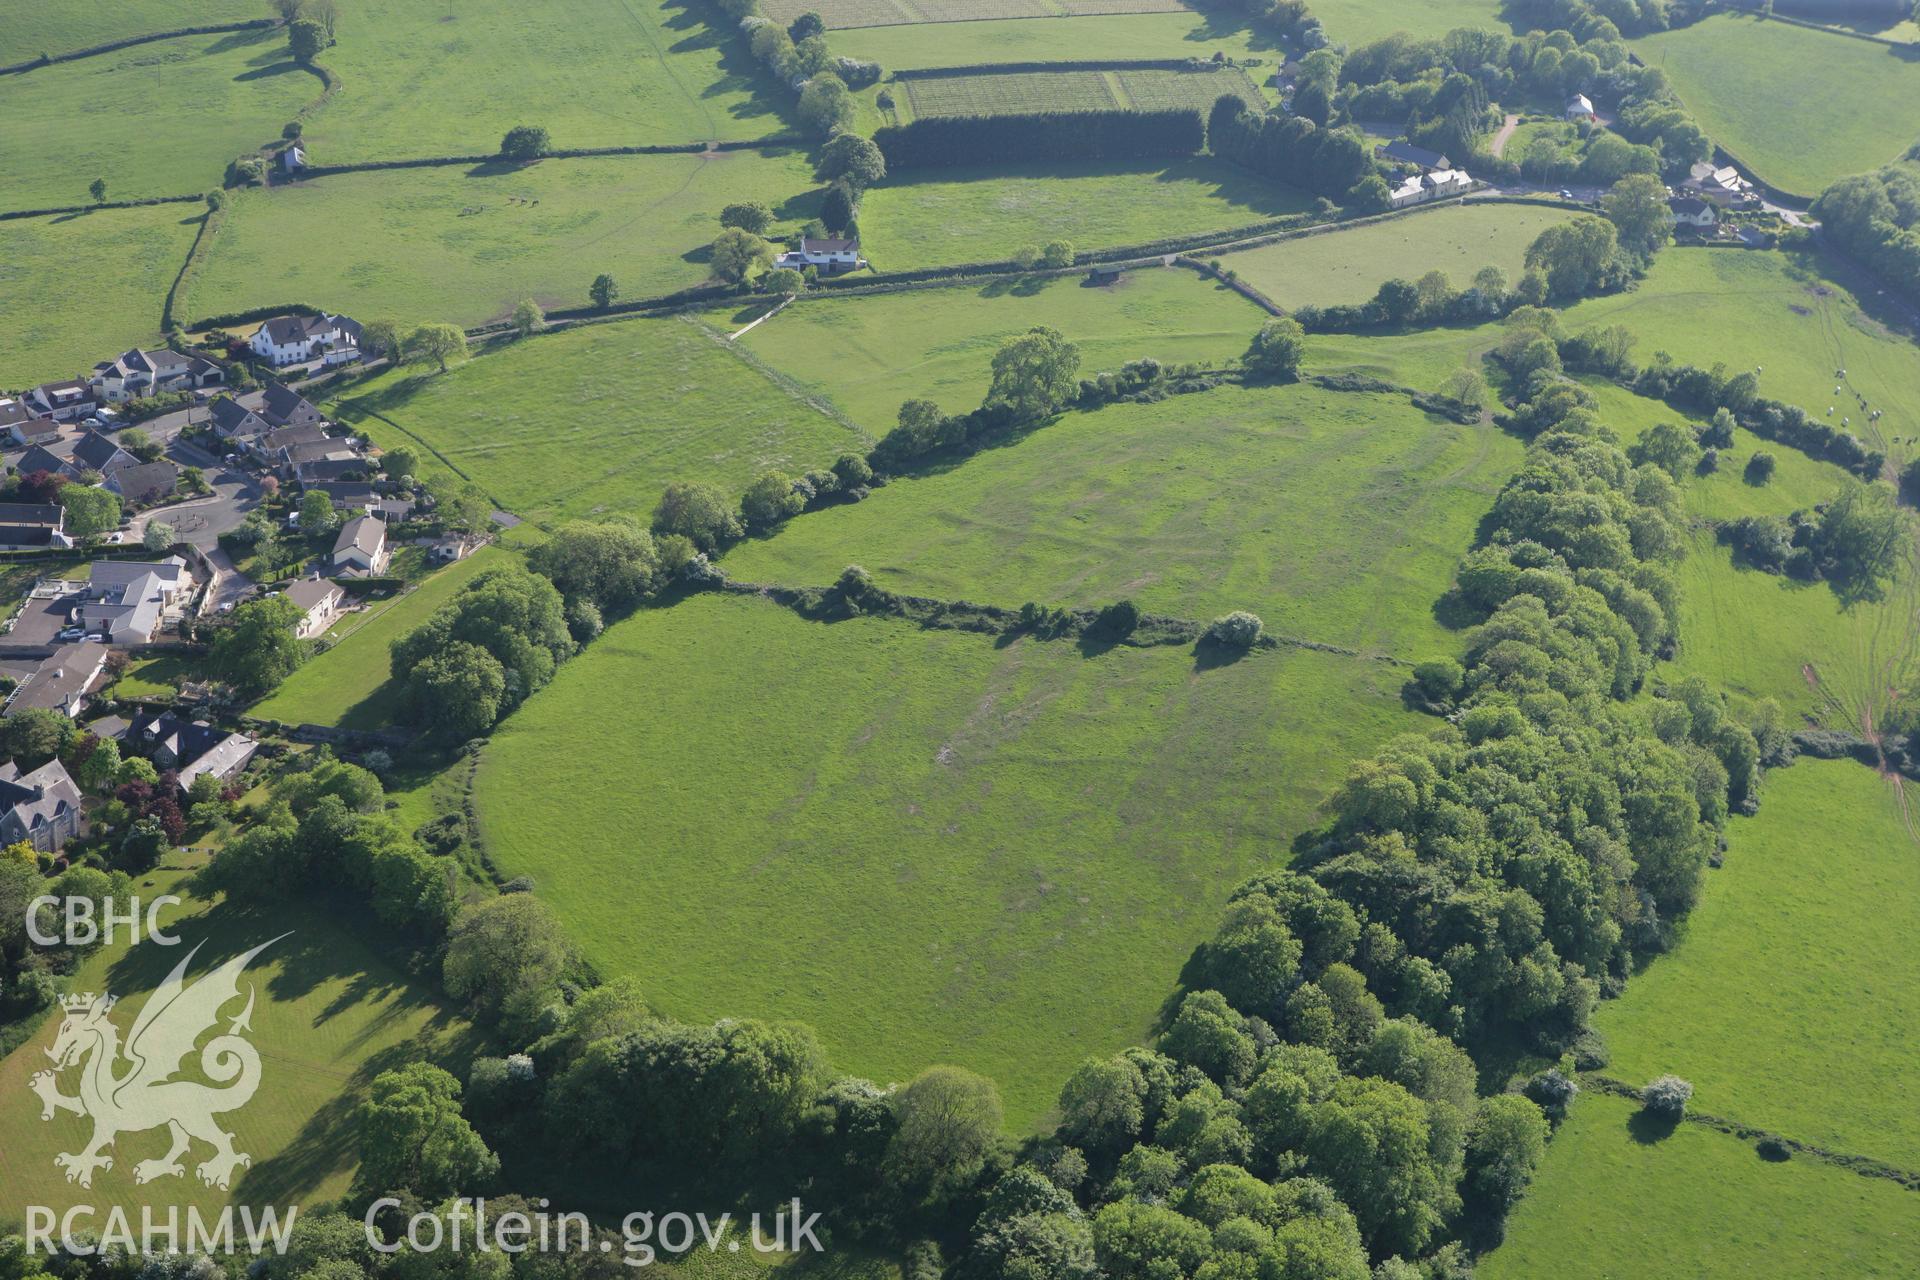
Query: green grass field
[422, 80]
[1357, 22]
[940, 217]
[1073, 91]
[1607, 1206]
[66, 25]
[1349, 264]
[348, 685]
[938, 344]
[1786, 1002]
[1784, 314]
[193, 104]
[850, 824]
[1336, 517]
[128, 258]
[602, 418]
[867, 13]
[331, 1014]
[1832, 105]
[452, 244]
[1134, 35]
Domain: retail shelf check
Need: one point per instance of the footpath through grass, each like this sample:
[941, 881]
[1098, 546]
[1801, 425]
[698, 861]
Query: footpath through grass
[349, 685]
[1788, 1001]
[944, 217]
[1802, 107]
[844, 824]
[330, 1015]
[602, 418]
[465, 244]
[938, 344]
[1608, 1203]
[1336, 517]
[85, 287]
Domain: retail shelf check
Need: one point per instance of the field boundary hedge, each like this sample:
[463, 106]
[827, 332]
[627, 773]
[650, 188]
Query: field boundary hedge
[1865, 1166]
[196, 253]
[10, 214]
[1794, 20]
[114, 46]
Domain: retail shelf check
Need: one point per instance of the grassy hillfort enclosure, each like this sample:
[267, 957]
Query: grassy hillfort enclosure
[1096, 639]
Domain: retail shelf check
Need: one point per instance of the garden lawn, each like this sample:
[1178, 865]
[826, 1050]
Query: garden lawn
[602, 418]
[349, 685]
[422, 80]
[86, 286]
[1116, 36]
[1348, 264]
[929, 846]
[1606, 1205]
[1830, 105]
[331, 1014]
[193, 104]
[1336, 517]
[944, 217]
[62, 26]
[938, 344]
[465, 245]
[1787, 1001]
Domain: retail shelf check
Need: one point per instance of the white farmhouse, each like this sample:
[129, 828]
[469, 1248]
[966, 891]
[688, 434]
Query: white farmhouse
[828, 254]
[296, 339]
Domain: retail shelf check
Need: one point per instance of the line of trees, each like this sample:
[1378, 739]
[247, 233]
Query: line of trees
[1291, 149]
[1047, 135]
[1873, 216]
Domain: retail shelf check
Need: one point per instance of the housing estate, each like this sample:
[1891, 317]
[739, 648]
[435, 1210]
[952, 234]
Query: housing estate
[41, 807]
[297, 339]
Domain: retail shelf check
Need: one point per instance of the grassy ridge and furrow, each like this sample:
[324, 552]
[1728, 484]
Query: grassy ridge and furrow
[1608, 1203]
[930, 847]
[157, 119]
[422, 80]
[1333, 516]
[1786, 1002]
[931, 218]
[1152, 35]
[465, 245]
[1012, 94]
[602, 418]
[126, 259]
[1349, 264]
[938, 344]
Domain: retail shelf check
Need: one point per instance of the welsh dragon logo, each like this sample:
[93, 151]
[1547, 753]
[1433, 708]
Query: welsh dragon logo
[144, 1095]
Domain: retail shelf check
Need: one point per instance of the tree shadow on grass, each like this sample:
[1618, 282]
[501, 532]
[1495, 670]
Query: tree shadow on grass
[1209, 655]
[1647, 1128]
[270, 71]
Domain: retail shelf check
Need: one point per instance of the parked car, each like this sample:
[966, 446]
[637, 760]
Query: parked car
[1565, 194]
[72, 633]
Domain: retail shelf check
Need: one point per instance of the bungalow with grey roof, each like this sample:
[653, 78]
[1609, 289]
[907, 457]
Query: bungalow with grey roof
[62, 682]
[143, 483]
[33, 525]
[24, 423]
[234, 422]
[319, 602]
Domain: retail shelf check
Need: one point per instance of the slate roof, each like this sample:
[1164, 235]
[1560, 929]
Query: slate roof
[60, 677]
[281, 401]
[34, 799]
[97, 453]
[367, 533]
